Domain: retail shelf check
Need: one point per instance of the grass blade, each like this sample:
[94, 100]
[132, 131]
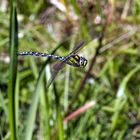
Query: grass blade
[28, 130]
[59, 116]
[121, 96]
[13, 69]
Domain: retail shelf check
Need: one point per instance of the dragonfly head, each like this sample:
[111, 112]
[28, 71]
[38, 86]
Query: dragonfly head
[83, 61]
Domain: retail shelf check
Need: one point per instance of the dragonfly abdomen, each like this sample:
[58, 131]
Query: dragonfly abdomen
[34, 54]
[38, 54]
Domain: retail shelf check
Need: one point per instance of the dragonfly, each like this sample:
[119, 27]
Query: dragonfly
[72, 59]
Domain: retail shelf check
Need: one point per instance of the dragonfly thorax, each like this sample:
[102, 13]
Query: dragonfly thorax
[76, 60]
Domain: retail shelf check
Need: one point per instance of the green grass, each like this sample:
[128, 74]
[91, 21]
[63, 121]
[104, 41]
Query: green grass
[13, 71]
[31, 110]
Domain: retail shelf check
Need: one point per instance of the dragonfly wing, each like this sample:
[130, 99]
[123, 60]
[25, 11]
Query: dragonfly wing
[57, 68]
[78, 47]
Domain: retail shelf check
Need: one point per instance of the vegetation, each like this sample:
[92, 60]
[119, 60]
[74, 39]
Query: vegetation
[98, 102]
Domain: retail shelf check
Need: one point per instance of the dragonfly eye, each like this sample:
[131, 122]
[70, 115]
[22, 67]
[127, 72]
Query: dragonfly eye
[83, 62]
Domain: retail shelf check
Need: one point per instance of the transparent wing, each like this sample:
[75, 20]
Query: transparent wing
[77, 47]
[59, 65]
[57, 68]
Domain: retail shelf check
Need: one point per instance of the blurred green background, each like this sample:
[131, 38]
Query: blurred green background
[111, 79]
